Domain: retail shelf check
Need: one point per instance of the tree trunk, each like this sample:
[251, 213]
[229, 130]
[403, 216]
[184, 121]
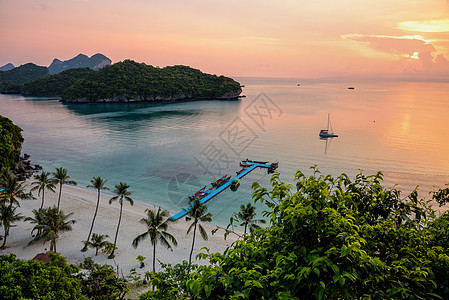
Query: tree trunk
[93, 221]
[246, 224]
[154, 258]
[4, 240]
[59, 198]
[42, 204]
[193, 243]
[112, 255]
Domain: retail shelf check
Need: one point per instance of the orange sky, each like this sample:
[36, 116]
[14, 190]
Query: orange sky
[288, 38]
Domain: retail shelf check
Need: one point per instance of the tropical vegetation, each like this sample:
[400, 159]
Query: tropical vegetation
[246, 216]
[8, 217]
[197, 213]
[157, 225]
[24, 73]
[122, 193]
[131, 80]
[61, 177]
[54, 85]
[52, 223]
[99, 184]
[33, 279]
[43, 182]
[97, 241]
[328, 238]
[10, 143]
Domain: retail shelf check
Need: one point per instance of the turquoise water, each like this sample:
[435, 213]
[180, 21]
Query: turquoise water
[166, 152]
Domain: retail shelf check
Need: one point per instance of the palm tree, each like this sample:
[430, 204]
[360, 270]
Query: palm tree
[198, 212]
[13, 190]
[43, 182]
[157, 225]
[39, 215]
[97, 241]
[98, 183]
[8, 216]
[121, 190]
[54, 222]
[61, 178]
[247, 214]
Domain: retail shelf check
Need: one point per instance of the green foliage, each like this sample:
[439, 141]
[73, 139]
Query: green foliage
[7, 87]
[330, 238]
[51, 222]
[101, 282]
[97, 241]
[24, 73]
[55, 85]
[33, 280]
[109, 247]
[131, 80]
[10, 143]
[441, 196]
[171, 283]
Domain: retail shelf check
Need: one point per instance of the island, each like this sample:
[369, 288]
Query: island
[123, 82]
[129, 81]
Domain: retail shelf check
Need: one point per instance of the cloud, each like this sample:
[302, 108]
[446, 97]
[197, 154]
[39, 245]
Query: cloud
[417, 58]
[441, 25]
[402, 45]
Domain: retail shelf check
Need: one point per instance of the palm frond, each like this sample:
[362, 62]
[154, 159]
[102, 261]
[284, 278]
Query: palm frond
[203, 232]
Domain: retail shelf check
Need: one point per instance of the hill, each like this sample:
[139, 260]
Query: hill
[24, 73]
[129, 81]
[95, 62]
[54, 85]
[7, 67]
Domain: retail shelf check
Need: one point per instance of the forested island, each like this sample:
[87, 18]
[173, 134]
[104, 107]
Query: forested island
[129, 81]
[126, 81]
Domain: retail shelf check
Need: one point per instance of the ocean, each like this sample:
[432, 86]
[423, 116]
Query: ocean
[166, 152]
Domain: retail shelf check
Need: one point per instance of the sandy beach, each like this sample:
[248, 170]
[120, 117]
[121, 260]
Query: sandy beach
[81, 201]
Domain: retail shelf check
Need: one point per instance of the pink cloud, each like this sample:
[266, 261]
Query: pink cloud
[427, 64]
[394, 45]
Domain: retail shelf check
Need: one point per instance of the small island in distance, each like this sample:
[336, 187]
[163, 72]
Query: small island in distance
[123, 82]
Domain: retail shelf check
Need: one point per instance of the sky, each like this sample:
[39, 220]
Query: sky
[397, 39]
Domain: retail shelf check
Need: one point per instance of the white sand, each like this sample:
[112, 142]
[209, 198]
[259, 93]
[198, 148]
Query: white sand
[81, 201]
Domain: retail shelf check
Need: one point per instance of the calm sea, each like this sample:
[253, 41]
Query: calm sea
[166, 152]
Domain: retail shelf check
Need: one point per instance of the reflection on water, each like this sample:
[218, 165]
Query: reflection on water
[396, 127]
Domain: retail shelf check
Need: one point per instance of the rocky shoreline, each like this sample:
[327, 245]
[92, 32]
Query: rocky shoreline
[25, 169]
[155, 99]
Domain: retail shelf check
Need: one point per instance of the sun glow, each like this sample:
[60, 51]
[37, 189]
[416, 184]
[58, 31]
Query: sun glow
[426, 26]
[415, 55]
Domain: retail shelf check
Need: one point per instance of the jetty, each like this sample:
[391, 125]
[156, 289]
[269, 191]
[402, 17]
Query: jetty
[248, 167]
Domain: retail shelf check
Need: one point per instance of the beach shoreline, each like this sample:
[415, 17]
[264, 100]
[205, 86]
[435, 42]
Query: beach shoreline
[81, 201]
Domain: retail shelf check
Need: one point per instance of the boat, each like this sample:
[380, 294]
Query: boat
[204, 194]
[221, 181]
[249, 162]
[351, 88]
[273, 167]
[198, 193]
[235, 184]
[327, 133]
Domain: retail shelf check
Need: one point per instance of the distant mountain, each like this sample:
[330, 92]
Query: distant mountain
[7, 67]
[24, 73]
[95, 62]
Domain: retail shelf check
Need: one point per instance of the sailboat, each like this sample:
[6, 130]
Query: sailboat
[326, 133]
